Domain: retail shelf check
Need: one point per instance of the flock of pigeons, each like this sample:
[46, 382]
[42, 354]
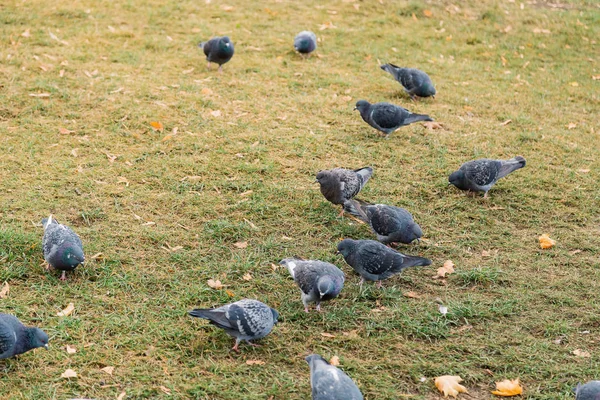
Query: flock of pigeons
[319, 281]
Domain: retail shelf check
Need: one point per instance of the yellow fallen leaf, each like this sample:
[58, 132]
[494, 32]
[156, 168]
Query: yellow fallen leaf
[215, 284]
[216, 113]
[450, 385]
[414, 17]
[508, 388]
[226, 8]
[335, 360]
[157, 126]
[596, 77]
[328, 335]
[165, 390]
[411, 295]
[574, 84]
[71, 350]
[167, 137]
[27, 33]
[206, 91]
[230, 293]
[427, 13]
[571, 125]
[67, 311]
[64, 131]
[108, 370]
[255, 362]
[5, 290]
[581, 353]
[546, 242]
[447, 268]
[241, 245]
[247, 277]
[431, 125]
[69, 374]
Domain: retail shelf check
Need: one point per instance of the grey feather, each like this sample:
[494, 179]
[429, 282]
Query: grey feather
[244, 320]
[15, 338]
[589, 391]
[481, 175]
[218, 50]
[375, 261]
[62, 247]
[414, 81]
[318, 280]
[386, 117]
[305, 42]
[390, 224]
[329, 382]
[340, 185]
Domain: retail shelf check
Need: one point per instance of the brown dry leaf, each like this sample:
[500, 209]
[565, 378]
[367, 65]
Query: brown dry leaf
[581, 353]
[328, 335]
[450, 385]
[574, 84]
[230, 293]
[108, 370]
[447, 268]
[74, 153]
[64, 131]
[216, 113]
[583, 170]
[206, 91]
[346, 98]
[70, 349]
[226, 8]
[504, 62]
[255, 362]
[427, 13]
[571, 125]
[247, 277]
[121, 396]
[596, 77]
[122, 179]
[508, 388]
[241, 245]
[327, 25]
[431, 125]
[188, 71]
[67, 311]
[5, 290]
[274, 267]
[215, 284]
[411, 295]
[42, 95]
[546, 242]
[335, 360]
[157, 126]
[26, 33]
[540, 30]
[414, 17]
[508, 121]
[165, 390]
[167, 137]
[69, 374]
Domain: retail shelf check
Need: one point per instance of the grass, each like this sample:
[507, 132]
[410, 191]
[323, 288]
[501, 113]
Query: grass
[132, 193]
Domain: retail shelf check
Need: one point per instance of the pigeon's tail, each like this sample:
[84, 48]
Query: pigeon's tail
[415, 261]
[412, 118]
[365, 173]
[201, 313]
[392, 69]
[511, 165]
[355, 207]
[215, 317]
[201, 45]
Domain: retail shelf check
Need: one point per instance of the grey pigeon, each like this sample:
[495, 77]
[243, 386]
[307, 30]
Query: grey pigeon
[481, 175]
[339, 185]
[329, 382]
[375, 261]
[318, 280]
[305, 42]
[390, 224]
[415, 82]
[386, 117]
[244, 320]
[16, 338]
[218, 50]
[62, 247]
[589, 391]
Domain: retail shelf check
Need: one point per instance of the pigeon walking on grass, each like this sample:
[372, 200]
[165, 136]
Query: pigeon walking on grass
[318, 280]
[329, 382]
[390, 224]
[305, 42]
[386, 117]
[415, 82]
[374, 261]
[62, 247]
[339, 185]
[481, 175]
[218, 50]
[244, 320]
[16, 338]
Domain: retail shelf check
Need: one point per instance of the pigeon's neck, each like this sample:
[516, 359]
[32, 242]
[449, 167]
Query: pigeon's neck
[24, 339]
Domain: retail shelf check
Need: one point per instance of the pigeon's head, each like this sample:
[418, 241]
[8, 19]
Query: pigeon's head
[415, 233]
[37, 338]
[362, 106]
[346, 247]
[225, 43]
[427, 89]
[311, 359]
[457, 178]
[323, 177]
[73, 255]
[327, 288]
[275, 315]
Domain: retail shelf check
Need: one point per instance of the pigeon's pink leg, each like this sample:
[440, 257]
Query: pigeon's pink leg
[318, 308]
[341, 214]
[48, 266]
[63, 277]
[485, 196]
[306, 309]
[235, 346]
[220, 69]
[362, 280]
[379, 285]
[253, 344]
[208, 65]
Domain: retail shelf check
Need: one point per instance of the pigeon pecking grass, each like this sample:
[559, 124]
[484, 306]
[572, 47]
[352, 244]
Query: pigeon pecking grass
[218, 50]
[387, 118]
[305, 42]
[62, 247]
[16, 338]
[415, 82]
[339, 185]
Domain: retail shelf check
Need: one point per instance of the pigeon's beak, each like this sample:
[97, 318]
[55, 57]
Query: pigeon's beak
[355, 108]
[46, 346]
[226, 44]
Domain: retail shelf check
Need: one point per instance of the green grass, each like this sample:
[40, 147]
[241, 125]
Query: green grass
[248, 176]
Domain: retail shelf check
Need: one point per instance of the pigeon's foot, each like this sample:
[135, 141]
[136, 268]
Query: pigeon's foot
[485, 196]
[63, 277]
[379, 285]
[341, 214]
[48, 266]
[208, 65]
[306, 309]
[362, 280]
[235, 346]
[253, 344]
[220, 69]
[318, 308]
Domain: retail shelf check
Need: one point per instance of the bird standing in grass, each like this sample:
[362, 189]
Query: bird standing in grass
[387, 118]
[218, 50]
[329, 382]
[62, 247]
[415, 82]
[339, 185]
[244, 320]
[16, 338]
[305, 42]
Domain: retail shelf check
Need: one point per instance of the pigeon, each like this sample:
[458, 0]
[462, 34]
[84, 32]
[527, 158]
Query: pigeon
[415, 82]
[375, 261]
[16, 338]
[589, 391]
[339, 185]
[329, 382]
[218, 50]
[305, 42]
[244, 320]
[390, 224]
[62, 247]
[481, 175]
[386, 117]
[318, 280]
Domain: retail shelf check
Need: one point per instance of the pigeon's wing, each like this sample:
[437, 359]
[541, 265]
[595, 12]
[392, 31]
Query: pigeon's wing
[388, 116]
[216, 316]
[8, 337]
[375, 258]
[330, 383]
[350, 183]
[482, 172]
[384, 219]
[252, 318]
[410, 79]
[508, 166]
[306, 275]
[207, 46]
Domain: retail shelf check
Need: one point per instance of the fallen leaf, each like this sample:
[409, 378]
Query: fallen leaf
[216, 113]
[431, 125]
[327, 25]
[574, 84]
[571, 125]
[26, 33]
[427, 13]
[255, 362]
[121, 396]
[450, 385]
[241, 245]
[69, 374]
[540, 30]
[67, 311]
[274, 267]
[411, 295]
[443, 309]
[596, 77]
[346, 98]
[226, 8]
[157, 126]
[74, 153]
[335, 360]
[188, 71]
[165, 390]
[583, 170]
[71, 350]
[108, 370]
[247, 277]
[39, 94]
[328, 335]
[215, 284]
[64, 131]
[230, 293]
[546, 242]
[447, 268]
[5, 290]
[206, 91]
[581, 353]
[508, 121]
[508, 388]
